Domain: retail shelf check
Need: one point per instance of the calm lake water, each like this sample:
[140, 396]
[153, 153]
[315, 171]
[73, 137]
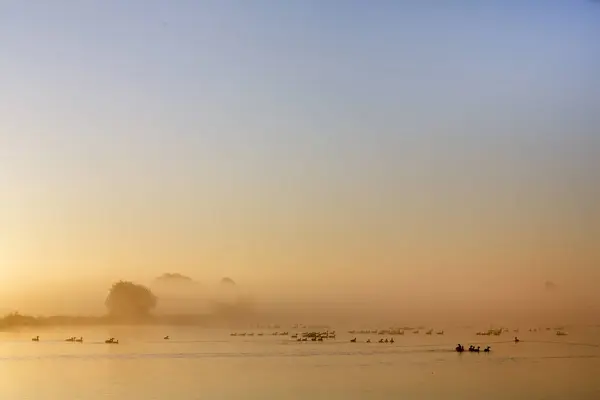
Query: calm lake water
[209, 364]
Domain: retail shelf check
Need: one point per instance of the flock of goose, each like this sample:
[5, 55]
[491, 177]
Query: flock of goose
[472, 349]
[500, 331]
[300, 337]
[314, 336]
[74, 339]
[258, 334]
[380, 340]
[393, 331]
[321, 336]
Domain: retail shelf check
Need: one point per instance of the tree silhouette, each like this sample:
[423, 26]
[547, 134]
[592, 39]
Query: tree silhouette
[129, 299]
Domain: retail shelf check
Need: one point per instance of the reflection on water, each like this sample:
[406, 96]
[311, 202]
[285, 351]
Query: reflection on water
[200, 363]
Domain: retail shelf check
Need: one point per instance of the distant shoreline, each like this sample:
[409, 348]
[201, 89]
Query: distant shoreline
[18, 321]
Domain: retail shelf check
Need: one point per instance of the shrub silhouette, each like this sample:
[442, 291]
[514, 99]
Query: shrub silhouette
[174, 277]
[127, 299]
[227, 281]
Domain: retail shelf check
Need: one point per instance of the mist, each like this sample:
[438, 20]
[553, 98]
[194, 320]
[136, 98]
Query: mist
[343, 301]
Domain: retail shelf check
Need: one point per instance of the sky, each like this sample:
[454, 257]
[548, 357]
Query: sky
[445, 150]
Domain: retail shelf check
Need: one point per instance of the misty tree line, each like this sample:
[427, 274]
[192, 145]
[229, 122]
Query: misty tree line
[128, 299]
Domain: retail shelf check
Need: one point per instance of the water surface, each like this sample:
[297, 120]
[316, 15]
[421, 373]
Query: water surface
[210, 364]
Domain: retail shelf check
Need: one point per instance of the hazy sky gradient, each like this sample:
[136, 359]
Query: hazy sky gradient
[389, 145]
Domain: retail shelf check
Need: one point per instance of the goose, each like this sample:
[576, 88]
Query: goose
[368, 340]
[460, 348]
[517, 340]
[35, 339]
[166, 337]
[353, 340]
[476, 350]
[80, 340]
[487, 349]
[392, 340]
